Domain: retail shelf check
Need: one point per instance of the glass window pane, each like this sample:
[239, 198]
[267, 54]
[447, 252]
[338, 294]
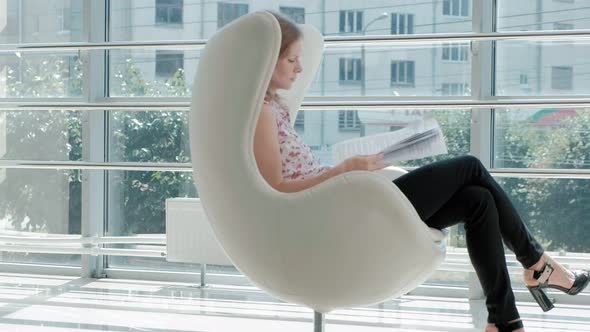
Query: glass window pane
[529, 15]
[43, 75]
[40, 203]
[41, 21]
[138, 200]
[322, 129]
[140, 20]
[41, 135]
[521, 137]
[154, 73]
[555, 67]
[150, 136]
[551, 209]
[377, 79]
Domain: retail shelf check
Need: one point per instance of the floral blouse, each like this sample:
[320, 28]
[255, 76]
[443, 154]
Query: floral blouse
[298, 161]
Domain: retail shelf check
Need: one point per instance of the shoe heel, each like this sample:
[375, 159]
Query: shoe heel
[542, 299]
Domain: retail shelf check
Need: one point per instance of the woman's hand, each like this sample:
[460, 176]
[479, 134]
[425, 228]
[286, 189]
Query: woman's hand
[363, 163]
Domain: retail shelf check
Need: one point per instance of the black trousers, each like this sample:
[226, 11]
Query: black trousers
[461, 190]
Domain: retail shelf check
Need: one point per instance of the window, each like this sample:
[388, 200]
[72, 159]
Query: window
[350, 70]
[455, 52]
[351, 21]
[456, 7]
[402, 73]
[348, 120]
[300, 121]
[562, 77]
[402, 24]
[524, 79]
[227, 12]
[64, 22]
[563, 26]
[454, 89]
[168, 62]
[297, 14]
[169, 11]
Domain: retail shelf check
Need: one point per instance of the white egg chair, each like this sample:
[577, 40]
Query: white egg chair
[352, 240]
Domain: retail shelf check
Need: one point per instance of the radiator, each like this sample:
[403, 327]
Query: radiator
[189, 237]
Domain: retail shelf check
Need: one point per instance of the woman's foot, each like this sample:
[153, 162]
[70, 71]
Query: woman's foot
[511, 326]
[547, 273]
[560, 276]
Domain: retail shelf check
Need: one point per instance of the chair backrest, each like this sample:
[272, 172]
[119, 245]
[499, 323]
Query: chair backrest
[233, 74]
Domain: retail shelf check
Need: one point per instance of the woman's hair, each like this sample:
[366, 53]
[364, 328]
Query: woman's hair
[290, 33]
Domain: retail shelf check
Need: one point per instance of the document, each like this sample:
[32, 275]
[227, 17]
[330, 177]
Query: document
[419, 139]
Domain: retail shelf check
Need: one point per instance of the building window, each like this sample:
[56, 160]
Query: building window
[300, 121]
[168, 62]
[455, 52]
[562, 77]
[351, 21]
[402, 73]
[524, 79]
[348, 120]
[456, 7]
[402, 24]
[296, 14]
[64, 21]
[169, 11]
[454, 89]
[350, 70]
[563, 26]
[227, 12]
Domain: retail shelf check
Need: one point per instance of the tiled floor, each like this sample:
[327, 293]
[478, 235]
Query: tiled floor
[54, 303]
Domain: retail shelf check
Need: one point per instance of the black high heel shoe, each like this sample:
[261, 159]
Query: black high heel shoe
[582, 279]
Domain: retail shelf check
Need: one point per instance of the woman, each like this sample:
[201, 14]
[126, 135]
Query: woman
[466, 192]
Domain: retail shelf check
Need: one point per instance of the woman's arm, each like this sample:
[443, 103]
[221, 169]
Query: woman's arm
[268, 158]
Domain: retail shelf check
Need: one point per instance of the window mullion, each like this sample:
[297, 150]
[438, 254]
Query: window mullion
[93, 131]
[482, 69]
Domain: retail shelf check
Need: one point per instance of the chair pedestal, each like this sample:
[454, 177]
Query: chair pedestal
[318, 322]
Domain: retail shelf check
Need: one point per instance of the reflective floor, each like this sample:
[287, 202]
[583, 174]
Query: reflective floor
[56, 303]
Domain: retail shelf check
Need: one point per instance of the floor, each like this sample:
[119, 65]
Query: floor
[57, 303]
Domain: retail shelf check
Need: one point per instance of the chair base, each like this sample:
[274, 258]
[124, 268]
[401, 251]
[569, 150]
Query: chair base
[318, 322]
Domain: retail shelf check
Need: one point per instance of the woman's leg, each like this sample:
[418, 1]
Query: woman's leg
[430, 187]
[475, 206]
[460, 189]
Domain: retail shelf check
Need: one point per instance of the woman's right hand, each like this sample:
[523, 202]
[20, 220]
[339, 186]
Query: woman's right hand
[363, 163]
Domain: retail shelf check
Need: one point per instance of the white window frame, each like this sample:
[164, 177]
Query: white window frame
[456, 8]
[402, 24]
[348, 121]
[455, 52]
[348, 21]
[351, 66]
[453, 88]
[403, 66]
[169, 9]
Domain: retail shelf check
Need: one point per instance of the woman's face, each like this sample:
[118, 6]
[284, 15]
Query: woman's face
[287, 68]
